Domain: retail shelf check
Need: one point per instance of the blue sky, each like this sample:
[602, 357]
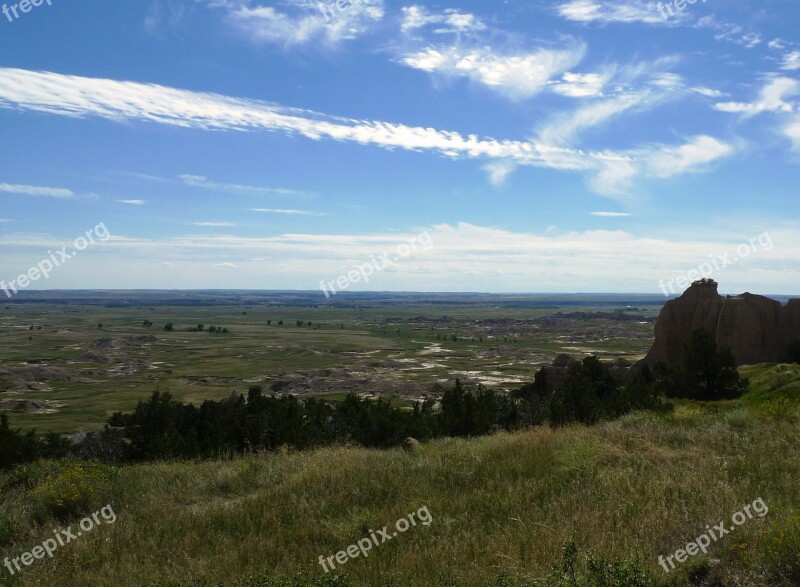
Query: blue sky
[582, 145]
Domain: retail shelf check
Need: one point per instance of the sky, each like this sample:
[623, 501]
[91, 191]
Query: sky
[505, 146]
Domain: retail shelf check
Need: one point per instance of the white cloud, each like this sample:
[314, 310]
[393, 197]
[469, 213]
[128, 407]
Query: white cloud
[771, 99]
[777, 44]
[200, 181]
[580, 85]
[164, 15]
[691, 157]
[463, 257]
[616, 176]
[517, 76]
[417, 17]
[564, 127]
[616, 11]
[288, 212]
[792, 131]
[656, 88]
[132, 202]
[499, 171]
[84, 97]
[611, 214]
[302, 22]
[618, 171]
[214, 224]
[728, 31]
[708, 92]
[35, 191]
[791, 61]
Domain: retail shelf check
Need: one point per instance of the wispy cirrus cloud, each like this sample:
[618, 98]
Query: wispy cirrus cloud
[728, 31]
[200, 181]
[95, 97]
[616, 11]
[708, 92]
[791, 61]
[650, 87]
[288, 212]
[792, 132]
[132, 202]
[772, 98]
[691, 157]
[92, 97]
[450, 21]
[301, 22]
[35, 191]
[620, 170]
[564, 127]
[611, 214]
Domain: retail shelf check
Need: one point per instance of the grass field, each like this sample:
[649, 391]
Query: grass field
[502, 508]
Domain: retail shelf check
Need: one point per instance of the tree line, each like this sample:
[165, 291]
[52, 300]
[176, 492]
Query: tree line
[164, 428]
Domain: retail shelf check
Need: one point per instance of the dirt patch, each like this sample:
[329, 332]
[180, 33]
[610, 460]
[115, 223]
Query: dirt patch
[22, 376]
[27, 406]
[124, 342]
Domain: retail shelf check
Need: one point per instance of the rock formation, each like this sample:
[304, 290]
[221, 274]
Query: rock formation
[755, 328]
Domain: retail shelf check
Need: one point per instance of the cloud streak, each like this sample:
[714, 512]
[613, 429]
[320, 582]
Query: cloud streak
[35, 191]
[79, 97]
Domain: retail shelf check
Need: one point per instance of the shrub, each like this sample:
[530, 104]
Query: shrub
[7, 530]
[707, 372]
[585, 570]
[792, 353]
[69, 488]
[777, 409]
[15, 447]
[710, 370]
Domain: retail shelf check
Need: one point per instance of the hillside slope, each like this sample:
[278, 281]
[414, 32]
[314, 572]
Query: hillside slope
[502, 508]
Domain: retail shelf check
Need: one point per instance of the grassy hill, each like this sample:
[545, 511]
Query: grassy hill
[503, 508]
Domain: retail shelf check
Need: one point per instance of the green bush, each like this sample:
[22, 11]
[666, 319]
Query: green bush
[69, 487]
[586, 570]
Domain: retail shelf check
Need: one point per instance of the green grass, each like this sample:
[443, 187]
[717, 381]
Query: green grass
[502, 506]
[770, 382]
